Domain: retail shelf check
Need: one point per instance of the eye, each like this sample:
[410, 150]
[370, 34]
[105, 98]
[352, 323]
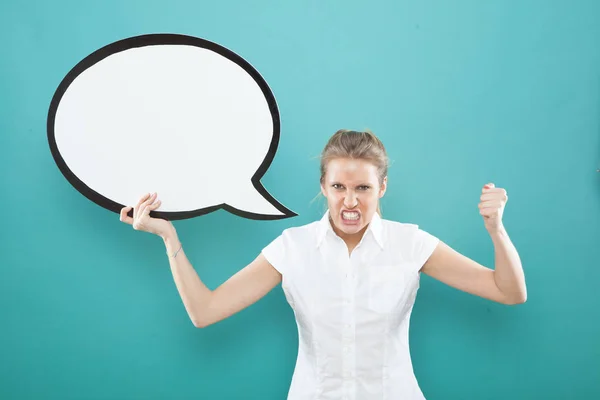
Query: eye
[364, 187]
[337, 186]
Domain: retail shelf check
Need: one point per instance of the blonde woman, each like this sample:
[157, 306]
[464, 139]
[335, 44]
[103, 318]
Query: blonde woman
[351, 278]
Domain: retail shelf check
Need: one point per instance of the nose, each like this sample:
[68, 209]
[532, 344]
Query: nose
[350, 200]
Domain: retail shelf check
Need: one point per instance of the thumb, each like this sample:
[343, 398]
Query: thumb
[489, 186]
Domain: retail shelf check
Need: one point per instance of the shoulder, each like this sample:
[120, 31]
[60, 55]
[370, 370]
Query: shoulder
[409, 234]
[416, 243]
[399, 229]
[291, 244]
[296, 236]
[301, 233]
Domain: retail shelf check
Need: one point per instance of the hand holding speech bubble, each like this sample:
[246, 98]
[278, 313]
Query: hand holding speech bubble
[172, 114]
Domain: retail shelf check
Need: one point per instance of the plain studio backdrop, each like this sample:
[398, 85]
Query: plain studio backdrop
[462, 93]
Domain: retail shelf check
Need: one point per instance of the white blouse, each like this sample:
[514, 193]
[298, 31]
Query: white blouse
[352, 312]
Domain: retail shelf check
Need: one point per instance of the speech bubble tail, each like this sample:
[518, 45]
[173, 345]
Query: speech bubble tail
[256, 203]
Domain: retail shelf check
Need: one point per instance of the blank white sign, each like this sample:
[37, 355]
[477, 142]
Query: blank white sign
[172, 114]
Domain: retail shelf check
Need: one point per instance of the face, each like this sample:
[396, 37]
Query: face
[353, 191]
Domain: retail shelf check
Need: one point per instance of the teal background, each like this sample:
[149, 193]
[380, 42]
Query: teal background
[462, 93]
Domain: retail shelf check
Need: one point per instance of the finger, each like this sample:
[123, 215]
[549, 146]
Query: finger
[144, 204]
[152, 200]
[149, 200]
[492, 189]
[487, 196]
[492, 196]
[124, 217]
[494, 193]
[490, 204]
[487, 189]
[150, 207]
[143, 199]
[139, 204]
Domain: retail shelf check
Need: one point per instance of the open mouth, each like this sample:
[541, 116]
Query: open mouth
[350, 216]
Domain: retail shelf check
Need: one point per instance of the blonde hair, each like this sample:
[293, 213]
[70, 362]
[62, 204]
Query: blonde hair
[358, 145]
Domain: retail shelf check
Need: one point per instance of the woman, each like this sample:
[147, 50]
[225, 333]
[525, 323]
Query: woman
[351, 278]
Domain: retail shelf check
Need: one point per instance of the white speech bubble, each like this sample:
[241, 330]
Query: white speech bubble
[172, 114]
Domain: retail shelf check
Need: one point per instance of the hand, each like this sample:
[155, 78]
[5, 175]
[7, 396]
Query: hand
[491, 207]
[142, 221]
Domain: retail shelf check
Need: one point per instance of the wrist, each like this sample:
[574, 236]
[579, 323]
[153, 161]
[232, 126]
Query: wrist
[497, 232]
[172, 244]
[170, 237]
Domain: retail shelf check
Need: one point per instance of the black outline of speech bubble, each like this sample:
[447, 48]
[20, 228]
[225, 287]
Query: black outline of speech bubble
[169, 39]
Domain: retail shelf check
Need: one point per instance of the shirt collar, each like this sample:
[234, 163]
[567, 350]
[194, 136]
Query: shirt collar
[375, 228]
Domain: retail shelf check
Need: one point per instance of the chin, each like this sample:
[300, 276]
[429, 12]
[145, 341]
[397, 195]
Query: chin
[349, 227]
[352, 231]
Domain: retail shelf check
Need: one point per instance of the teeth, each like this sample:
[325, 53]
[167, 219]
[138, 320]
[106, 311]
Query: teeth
[350, 215]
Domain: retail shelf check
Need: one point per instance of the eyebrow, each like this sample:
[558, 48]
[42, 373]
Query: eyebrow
[358, 184]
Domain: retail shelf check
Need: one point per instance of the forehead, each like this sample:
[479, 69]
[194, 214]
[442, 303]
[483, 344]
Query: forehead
[351, 170]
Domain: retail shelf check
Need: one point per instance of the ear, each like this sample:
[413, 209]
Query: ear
[383, 187]
[323, 189]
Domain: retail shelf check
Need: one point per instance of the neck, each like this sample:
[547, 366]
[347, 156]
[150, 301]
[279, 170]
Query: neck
[351, 239]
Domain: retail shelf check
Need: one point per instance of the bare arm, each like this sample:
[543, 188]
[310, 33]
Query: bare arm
[508, 275]
[203, 305]
[505, 284]
[206, 307]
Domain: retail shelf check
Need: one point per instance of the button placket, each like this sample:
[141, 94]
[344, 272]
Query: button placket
[348, 333]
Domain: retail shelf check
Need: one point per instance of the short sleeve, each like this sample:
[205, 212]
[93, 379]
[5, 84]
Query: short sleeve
[424, 245]
[274, 252]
